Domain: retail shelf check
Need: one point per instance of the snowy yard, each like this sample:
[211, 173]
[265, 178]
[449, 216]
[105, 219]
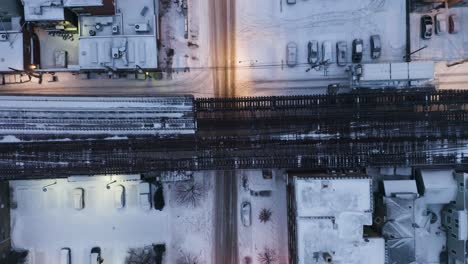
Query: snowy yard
[264, 27]
[272, 234]
[45, 221]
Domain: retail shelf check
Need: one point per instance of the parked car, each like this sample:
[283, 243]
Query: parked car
[145, 195]
[265, 193]
[78, 198]
[246, 213]
[341, 51]
[327, 56]
[291, 2]
[441, 24]
[426, 26]
[65, 256]
[376, 46]
[333, 88]
[119, 196]
[291, 52]
[358, 48]
[313, 52]
[454, 24]
[96, 256]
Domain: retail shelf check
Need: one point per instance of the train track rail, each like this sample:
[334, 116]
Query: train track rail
[350, 131]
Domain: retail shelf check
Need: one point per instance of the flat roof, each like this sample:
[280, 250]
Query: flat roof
[330, 197]
[11, 52]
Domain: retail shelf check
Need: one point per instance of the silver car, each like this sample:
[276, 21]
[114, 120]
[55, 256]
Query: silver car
[246, 213]
[291, 54]
[341, 53]
[327, 52]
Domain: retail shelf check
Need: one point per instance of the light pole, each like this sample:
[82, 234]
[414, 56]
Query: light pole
[108, 185]
[44, 188]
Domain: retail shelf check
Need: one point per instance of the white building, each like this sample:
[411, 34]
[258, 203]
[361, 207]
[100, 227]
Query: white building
[329, 217]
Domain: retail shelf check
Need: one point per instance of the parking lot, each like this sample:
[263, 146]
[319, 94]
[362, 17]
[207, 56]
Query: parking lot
[442, 46]
[44, 222]
[264, 28]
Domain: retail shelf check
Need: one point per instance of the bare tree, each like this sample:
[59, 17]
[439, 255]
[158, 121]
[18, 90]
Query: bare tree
[189, 193]
[265, 215]
[268, 256]
[144, 255]
[187, 258]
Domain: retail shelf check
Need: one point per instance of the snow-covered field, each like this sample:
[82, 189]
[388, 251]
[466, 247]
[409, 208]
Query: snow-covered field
[264, 27]
[274, 233]
[45, 222]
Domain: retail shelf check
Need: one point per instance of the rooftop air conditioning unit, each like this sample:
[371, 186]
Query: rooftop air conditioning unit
[141, 27]
[115, 29]
[3, 37]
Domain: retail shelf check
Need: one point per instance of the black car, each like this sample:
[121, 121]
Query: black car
[376, 46]
[358, 48]
[426, 26]
[96, 256]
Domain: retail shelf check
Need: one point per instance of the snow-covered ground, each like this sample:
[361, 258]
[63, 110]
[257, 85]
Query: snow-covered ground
[45, 222]
[264, 27]
[444, 47]
[273, 234]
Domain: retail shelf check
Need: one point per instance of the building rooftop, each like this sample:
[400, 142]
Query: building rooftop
[330, 217]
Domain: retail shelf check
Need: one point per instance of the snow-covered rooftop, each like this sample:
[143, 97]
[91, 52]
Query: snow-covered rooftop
[124, 41]
[330, 197]
[330, 217]
[11, 55]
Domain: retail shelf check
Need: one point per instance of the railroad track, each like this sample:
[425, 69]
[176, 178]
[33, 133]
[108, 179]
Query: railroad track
[350, 131]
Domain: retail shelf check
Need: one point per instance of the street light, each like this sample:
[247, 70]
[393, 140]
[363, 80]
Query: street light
[108, 185]
[44, 188]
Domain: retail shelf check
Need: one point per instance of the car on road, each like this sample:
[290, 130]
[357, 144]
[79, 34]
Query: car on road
[341, 52]
[78, 198]
[358, 48]
[145, 195]
[454, 24]
[376, 46]
[291, 54]
[327, 55]
[246, 213]
[426, 26]
[440, 24]
[264, 193]
[65, 256]
[119, 196]
[291, 2]
[313, 52]
[96, 256]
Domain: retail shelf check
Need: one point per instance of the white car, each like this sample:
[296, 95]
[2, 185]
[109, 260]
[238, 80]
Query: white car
[78, 198]
[145, 195]
[327, 55]
[119, 196]
[65, 256]
[246, 213]
[291, 54]
[441, 24]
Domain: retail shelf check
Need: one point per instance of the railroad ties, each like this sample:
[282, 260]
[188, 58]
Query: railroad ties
[348, 131]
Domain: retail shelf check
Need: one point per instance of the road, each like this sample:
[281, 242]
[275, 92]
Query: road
[225, 240]
[222, 39]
